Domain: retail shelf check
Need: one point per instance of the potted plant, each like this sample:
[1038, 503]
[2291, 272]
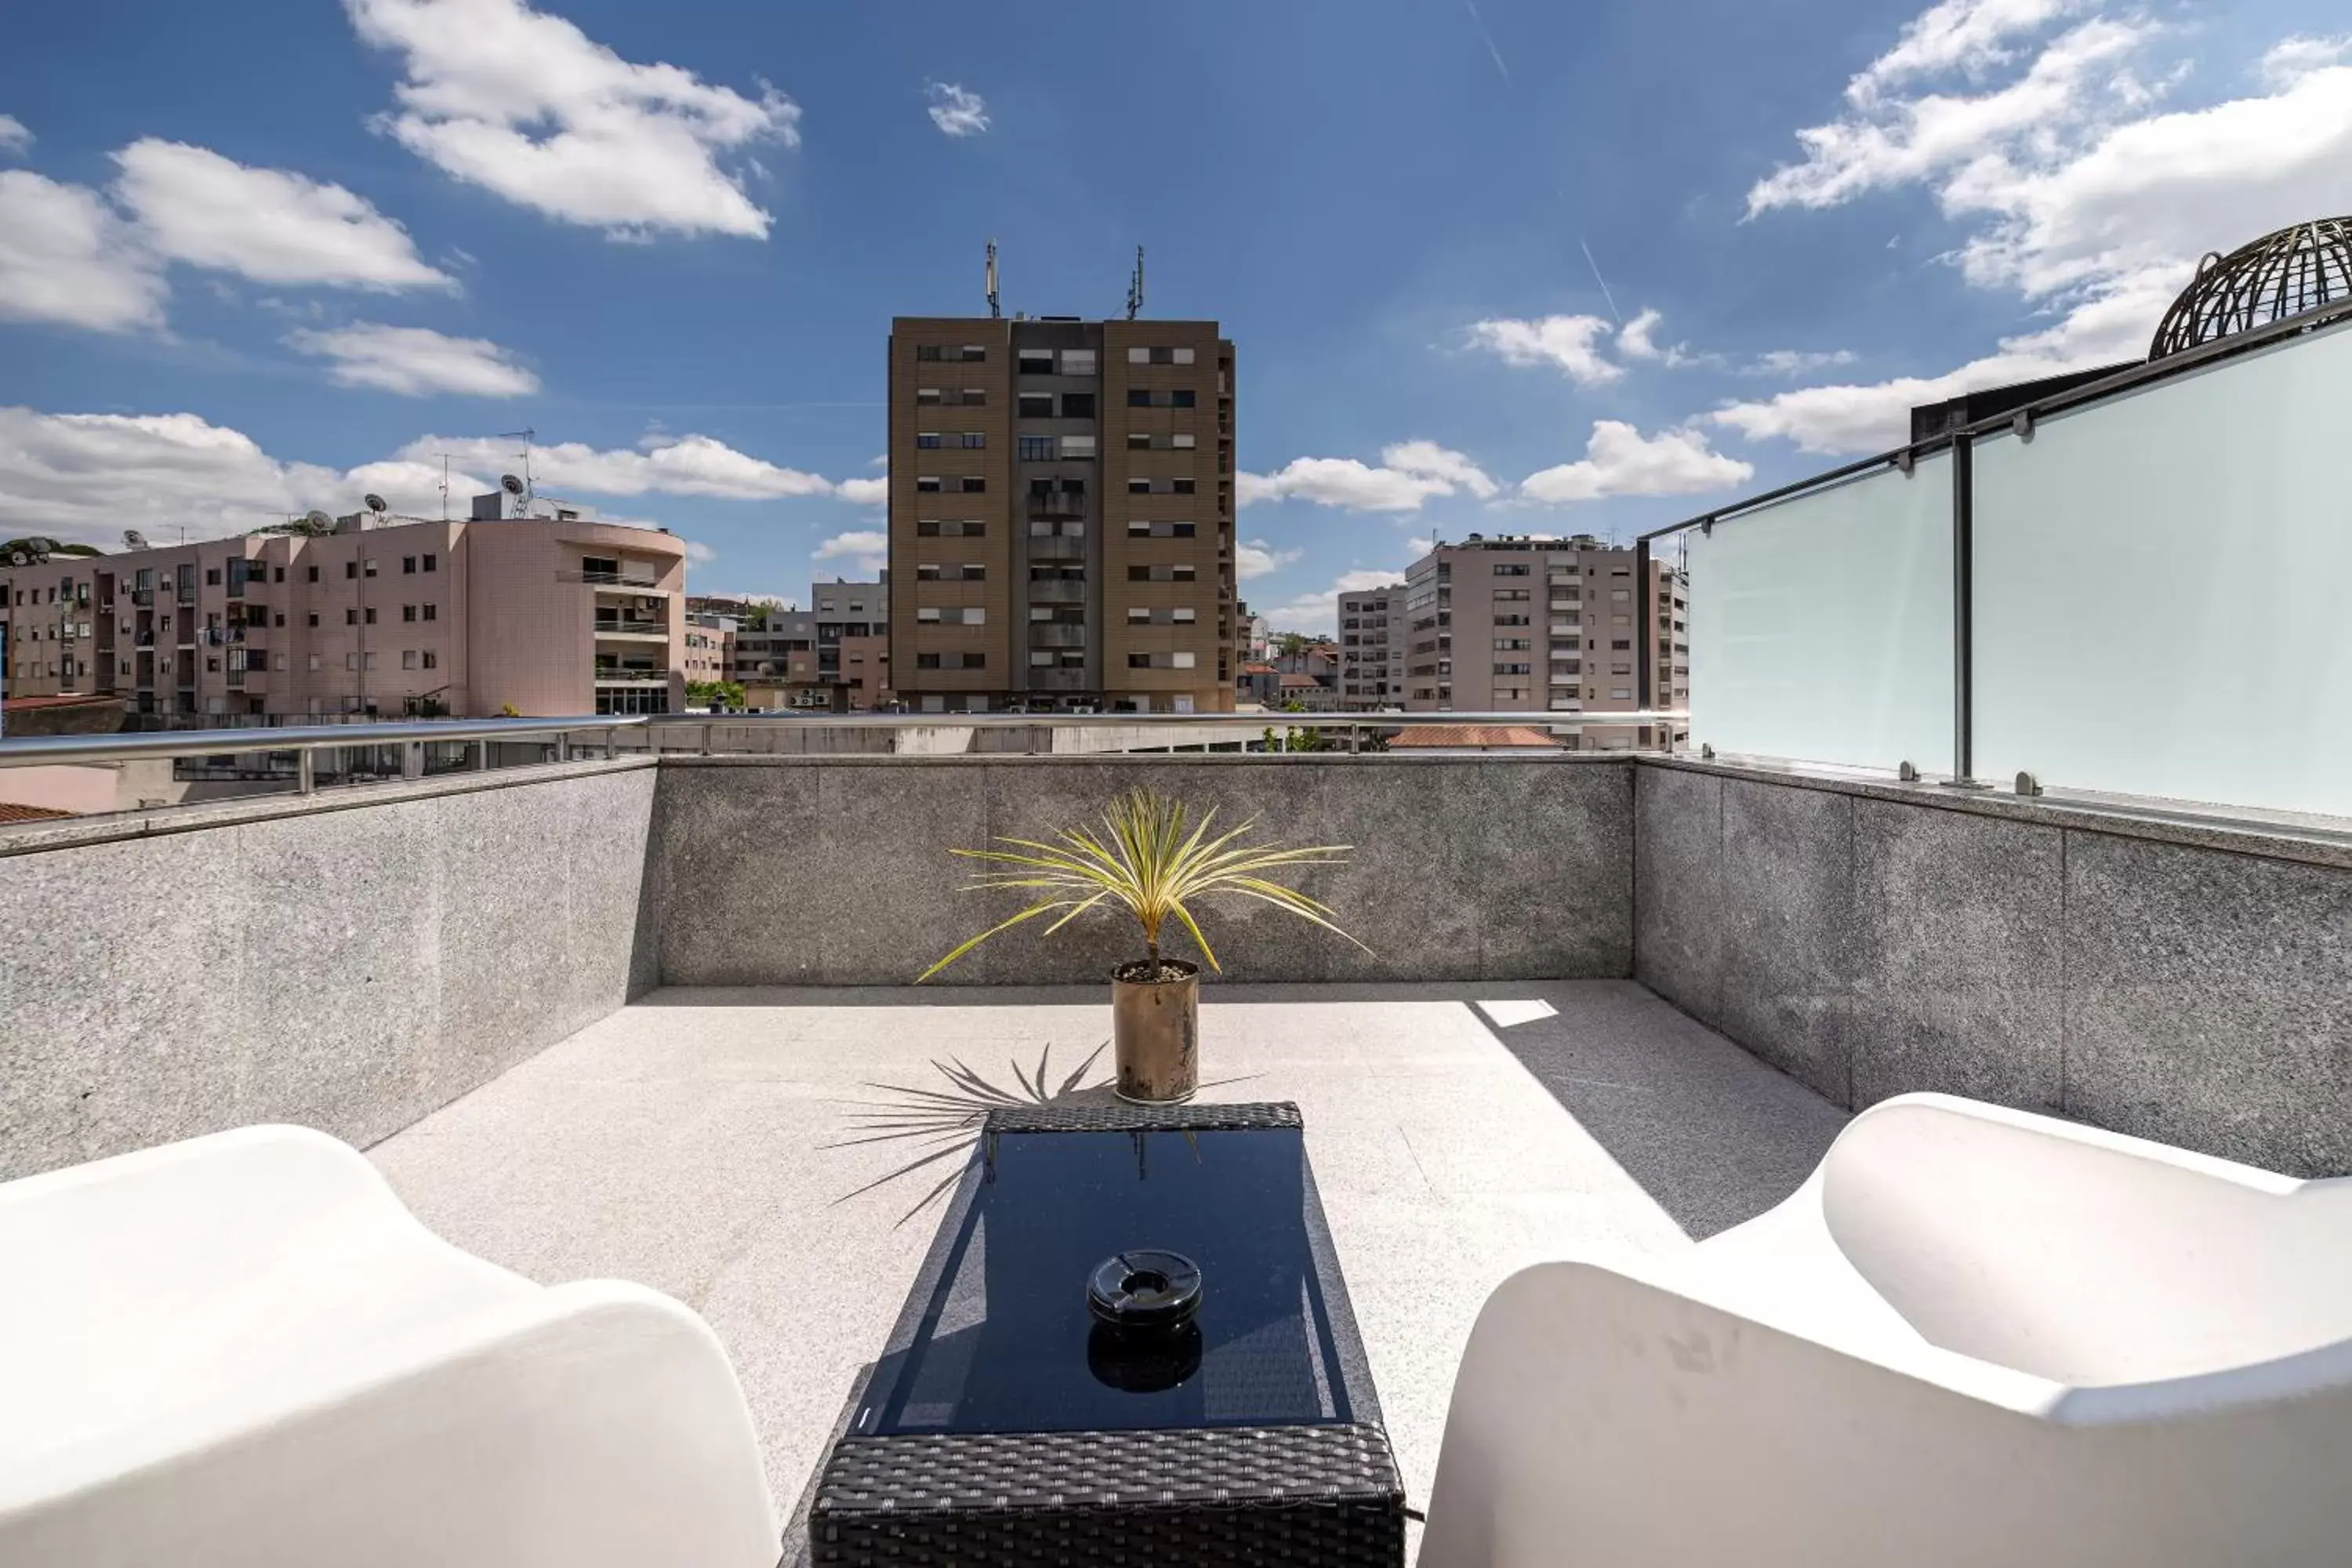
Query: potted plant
[1146, 862]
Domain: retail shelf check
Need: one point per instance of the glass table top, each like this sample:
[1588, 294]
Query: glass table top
[1006, 1343]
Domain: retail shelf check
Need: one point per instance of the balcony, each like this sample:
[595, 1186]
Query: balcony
[628, 630]
[1057, 591]
[1049, 634]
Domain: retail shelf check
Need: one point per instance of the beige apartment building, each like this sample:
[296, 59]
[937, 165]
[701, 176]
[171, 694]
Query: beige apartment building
[1061, 515]
[1515, 624]
[383, 615]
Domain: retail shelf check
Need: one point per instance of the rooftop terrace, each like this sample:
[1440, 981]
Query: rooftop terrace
[625, 1016]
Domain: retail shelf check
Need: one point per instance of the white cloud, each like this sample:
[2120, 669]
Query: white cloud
[1320, 612]
[2289, 60]
[699, 553]
[270, 224]
[85, 477]
[1410, 473]
[2090, 201]
[1888, 141]
[1420, 547]
[1255, 558]
[867, 550]
[1565, 343]
[660, 465]
[66, 257]
[526, 105]
[955, 110]
[1797, 362]
[1618, 460]
[415, 361]
[14, 136]
[1964, 35]
[1634, 341]
[864, 492]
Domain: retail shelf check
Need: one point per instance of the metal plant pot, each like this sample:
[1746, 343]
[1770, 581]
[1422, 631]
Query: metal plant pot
[1156, 1034]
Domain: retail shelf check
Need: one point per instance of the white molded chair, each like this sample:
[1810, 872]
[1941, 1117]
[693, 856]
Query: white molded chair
[1974, 1336]
[243, 1350]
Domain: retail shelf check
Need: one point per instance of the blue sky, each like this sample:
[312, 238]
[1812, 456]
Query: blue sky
[1511, 265]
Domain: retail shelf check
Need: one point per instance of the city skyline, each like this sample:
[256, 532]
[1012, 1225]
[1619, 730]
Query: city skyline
[1491, 278]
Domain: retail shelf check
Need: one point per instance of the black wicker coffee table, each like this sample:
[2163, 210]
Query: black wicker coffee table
[1006, 1423]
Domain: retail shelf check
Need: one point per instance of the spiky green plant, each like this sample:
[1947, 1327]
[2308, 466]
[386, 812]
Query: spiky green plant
[1145, 862]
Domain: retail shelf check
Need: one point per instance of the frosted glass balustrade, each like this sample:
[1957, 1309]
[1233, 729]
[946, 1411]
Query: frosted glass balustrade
[2161, 587]
[1821, 626]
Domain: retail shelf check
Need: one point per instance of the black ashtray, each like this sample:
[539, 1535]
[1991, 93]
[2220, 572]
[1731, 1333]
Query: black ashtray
[1144, 1339]
[1144, 1290]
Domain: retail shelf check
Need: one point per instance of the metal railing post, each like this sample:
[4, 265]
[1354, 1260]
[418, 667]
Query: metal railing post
[411, 758]
[1964, 611]
[305, 771]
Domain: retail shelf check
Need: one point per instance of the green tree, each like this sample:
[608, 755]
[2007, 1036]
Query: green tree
[714, 694]
[1293, 644]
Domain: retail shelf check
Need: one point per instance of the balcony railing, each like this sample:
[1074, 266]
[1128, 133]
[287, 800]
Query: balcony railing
[611, 579]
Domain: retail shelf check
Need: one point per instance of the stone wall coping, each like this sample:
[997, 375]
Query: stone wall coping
[2271, 835]
[31, 837]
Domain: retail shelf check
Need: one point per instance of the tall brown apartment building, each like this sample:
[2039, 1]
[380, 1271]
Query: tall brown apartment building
[1515, 623]
[1061, 515]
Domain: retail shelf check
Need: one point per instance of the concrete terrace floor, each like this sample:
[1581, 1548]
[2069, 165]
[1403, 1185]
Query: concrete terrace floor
[698, 1142]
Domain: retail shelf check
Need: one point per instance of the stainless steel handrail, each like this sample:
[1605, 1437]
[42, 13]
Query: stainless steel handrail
[305, 742]
[30, 751]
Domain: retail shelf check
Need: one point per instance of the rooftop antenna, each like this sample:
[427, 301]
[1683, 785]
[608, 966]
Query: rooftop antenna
[525, 435]
[445, 485]
[994, 312]
[1135, 287]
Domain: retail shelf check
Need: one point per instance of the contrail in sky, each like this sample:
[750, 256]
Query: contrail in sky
[1477, 22]
[1600, 279]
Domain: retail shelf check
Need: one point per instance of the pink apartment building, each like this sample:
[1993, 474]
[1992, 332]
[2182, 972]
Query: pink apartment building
[541, 616]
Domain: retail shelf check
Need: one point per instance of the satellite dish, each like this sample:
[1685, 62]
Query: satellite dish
[510, 484]
[317, 518]
[374, 502]
[18, 558]
[133, 540]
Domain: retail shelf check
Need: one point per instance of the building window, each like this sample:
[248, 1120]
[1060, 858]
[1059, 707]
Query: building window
[408, 565]
[1077, 446]
[1181, 440]
[367, 568]
[1509, 571]
[1077, 361]
[1078, 406]
[1184, 485]
[1139, 397]
[1035, 361]
[350, 569]
[432, 563]
[1181, 398]
[1038, 448]
[314, 617]
[928, 484]
[432, 660]
[927, 394]
[314, 662]
[928, 614]
[1138, 440]
[928, 440]
[1036, 406]
[975, 485]
[350, 617]
[278, 574]
[408, 658]
[1185, 616]
[407, 612]
[1137, 485]
[1621, 645]
[432, 612]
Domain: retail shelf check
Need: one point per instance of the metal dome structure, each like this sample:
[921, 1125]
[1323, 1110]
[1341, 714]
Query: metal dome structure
[2296, 268]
